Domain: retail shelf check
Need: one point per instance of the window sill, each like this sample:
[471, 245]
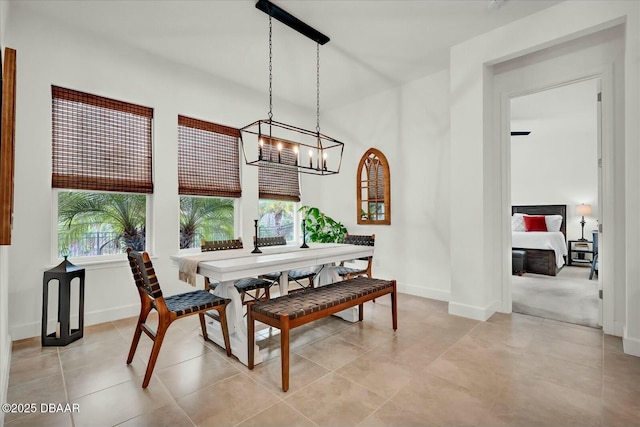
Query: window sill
[98, 263]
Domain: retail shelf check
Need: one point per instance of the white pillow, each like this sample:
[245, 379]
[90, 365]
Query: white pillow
[517, 222]
[554, 222]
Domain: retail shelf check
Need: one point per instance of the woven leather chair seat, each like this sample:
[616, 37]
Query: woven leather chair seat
[246, 284]
[357, 270]
[344, 271]
[293, 275]
[193, 302]
[305, 302]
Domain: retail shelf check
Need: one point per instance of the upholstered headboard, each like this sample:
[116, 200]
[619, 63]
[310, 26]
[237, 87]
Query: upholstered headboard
[545, 210]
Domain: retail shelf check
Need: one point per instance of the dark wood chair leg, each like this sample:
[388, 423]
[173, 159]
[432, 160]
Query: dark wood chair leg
[203, 325]
[222, 316]
[155, 351]
[284, 351]
[394, 307]
[144, 313]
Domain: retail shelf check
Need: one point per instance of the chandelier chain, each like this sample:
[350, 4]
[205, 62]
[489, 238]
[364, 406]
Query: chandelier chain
[318, 87]
[270, 71]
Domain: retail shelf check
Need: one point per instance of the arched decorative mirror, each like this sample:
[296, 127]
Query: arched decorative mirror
[374, 189]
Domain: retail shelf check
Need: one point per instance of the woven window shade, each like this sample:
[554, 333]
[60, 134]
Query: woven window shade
[100, 144]
[208, 159]
[278, 182]
[375, 182]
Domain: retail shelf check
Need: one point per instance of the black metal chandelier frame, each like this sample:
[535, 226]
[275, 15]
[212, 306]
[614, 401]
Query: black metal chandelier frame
[263, 141]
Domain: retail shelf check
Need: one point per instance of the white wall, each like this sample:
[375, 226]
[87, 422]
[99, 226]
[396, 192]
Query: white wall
[410, 125]
[476, 291]
[55, 55]
[558, 162]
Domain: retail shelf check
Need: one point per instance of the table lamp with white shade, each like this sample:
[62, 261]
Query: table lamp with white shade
[583, 210]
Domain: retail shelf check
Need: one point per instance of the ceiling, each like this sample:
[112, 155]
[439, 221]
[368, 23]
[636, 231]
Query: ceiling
[374, 44]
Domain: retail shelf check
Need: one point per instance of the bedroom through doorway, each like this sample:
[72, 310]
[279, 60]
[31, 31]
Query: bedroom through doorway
[555, 147]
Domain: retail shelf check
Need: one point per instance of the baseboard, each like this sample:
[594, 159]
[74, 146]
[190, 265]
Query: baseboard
[33, 329]
[473, 311]
[618, 329]
[421, 291]
[630, 345]
[5, 367]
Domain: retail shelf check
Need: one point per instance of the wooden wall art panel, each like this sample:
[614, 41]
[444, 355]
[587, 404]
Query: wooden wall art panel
[7, 144]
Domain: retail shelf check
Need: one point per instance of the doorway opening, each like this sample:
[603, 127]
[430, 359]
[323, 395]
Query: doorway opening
[555, 150]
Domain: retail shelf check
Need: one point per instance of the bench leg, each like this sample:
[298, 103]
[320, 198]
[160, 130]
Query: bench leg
[284, 351]
[251, 336]
[361, 312]
[394, 307]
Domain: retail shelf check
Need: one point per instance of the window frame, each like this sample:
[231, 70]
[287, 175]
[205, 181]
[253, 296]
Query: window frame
[143, 187]
[96, 259]
[236, 215]
[228, 188]
[297, 219]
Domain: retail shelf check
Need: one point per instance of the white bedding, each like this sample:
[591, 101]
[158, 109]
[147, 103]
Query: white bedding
[541, 240]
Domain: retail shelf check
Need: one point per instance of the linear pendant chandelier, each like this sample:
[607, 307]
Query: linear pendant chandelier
[271, 143]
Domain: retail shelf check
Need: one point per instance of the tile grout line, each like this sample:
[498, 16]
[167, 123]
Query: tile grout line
[64, 384]
[602, 381]
[174, 400]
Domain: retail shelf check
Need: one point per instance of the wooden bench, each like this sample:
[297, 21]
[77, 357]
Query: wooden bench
[293, 310]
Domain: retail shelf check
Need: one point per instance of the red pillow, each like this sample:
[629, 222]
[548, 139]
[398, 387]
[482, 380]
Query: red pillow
[535, 223]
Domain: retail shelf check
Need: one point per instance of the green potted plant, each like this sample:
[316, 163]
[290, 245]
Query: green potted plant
[319, 227]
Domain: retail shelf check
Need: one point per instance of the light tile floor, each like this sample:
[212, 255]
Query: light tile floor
[437, 369]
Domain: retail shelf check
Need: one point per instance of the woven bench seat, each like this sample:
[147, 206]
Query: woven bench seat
[293, 310]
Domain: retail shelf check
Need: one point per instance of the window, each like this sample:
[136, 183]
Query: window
[277, 218]
[277, 182]
[208, 180]
[209, 218]
[279, 191]
[100, 223]
[374, 189]
[102, 166]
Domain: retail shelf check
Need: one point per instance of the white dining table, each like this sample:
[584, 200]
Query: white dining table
[226, 266]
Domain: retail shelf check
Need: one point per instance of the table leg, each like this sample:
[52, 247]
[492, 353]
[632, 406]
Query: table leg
[284, 282]
[236, 322]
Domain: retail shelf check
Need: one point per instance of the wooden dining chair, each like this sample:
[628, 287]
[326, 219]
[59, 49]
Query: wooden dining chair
[244, 286]
[297, 276]
[169, 309]
[361, 266]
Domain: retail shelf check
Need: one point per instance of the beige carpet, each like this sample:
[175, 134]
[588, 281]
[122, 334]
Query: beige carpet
[568, 297]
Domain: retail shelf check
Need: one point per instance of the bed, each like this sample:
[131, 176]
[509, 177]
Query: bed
[546, 251]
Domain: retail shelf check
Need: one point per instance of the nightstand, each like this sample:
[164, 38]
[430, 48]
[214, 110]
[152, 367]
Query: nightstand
[577, 250]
